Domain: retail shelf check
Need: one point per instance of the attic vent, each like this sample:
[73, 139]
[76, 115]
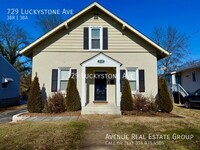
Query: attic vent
[96, 16]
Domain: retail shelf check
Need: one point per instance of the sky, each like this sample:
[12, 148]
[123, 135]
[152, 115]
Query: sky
[143, 15]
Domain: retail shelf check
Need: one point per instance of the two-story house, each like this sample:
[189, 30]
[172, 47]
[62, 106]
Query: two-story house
[99, 48]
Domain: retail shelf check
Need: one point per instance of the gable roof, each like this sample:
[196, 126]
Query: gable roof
[187, 67]
[160, 51]
[8, 64]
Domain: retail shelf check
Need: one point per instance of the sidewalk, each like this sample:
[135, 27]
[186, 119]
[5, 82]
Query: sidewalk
[63, 118]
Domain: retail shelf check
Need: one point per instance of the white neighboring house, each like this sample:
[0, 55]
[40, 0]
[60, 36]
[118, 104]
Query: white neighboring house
[10, 81]
[187, 77]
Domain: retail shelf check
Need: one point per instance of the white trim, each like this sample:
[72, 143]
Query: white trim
[95, 4]
[90, 38]
[83, 91]
[58, 83]
[137, 78]
[118, 85]
[173, 78]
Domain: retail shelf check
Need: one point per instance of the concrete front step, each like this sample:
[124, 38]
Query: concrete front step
[110, 109]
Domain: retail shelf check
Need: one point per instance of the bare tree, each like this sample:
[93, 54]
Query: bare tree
[12, 40]
[174, 42]
[48, 22]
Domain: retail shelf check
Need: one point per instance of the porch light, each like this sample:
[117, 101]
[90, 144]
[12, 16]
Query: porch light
[7, 80]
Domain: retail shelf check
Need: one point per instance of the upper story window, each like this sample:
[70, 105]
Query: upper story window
[95, 38]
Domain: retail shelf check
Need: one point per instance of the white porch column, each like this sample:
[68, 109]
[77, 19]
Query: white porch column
[118, 85]
[83, 94]
[173, 79]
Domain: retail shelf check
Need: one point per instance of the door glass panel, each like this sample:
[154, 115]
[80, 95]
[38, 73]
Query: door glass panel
[100, 86]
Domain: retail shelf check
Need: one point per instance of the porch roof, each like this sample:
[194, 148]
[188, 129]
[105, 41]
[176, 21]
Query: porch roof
[101, 60]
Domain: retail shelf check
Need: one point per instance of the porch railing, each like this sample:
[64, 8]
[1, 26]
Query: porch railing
[180, 89]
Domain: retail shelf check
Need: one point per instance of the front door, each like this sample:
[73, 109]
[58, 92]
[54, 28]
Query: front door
[100, 86]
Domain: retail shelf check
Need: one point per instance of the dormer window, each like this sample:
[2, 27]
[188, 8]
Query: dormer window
[95, 38]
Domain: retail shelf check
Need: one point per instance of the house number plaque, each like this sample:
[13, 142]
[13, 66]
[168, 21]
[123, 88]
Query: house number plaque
[101, 61]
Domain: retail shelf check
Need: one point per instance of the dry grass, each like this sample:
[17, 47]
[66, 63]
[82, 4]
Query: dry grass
[66, 113]
[41, 135]
[183, 122]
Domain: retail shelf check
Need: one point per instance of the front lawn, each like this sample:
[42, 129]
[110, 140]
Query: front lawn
[163, 132]
[42, 135]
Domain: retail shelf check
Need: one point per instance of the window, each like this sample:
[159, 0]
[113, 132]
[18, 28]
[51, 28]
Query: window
[132, 77]
[194, 76]
[63, 80]
[95, 35]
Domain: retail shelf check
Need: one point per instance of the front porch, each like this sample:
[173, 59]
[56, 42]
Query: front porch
[100, 85]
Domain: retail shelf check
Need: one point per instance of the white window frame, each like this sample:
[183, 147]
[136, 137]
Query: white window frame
[59, 72]
[137, 78]
[90, 37]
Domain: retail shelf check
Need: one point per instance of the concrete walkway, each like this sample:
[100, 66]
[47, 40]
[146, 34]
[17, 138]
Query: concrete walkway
[63, 118]
[95, 135]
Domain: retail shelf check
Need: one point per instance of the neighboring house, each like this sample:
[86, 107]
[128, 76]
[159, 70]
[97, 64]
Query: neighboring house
[187, 79]
[10, 82]
[98, 48]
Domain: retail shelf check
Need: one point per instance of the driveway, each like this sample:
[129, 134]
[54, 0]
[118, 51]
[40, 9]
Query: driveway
[6, 116]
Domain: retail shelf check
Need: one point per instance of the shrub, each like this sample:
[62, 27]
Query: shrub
[45, 109]
[126, 98]
[164, 99]
[144, 104]
[72, 100]
[55, 104]
[140, 102]
[34, 104]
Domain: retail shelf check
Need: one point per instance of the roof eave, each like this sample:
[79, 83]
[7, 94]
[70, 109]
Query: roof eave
[95, 4]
